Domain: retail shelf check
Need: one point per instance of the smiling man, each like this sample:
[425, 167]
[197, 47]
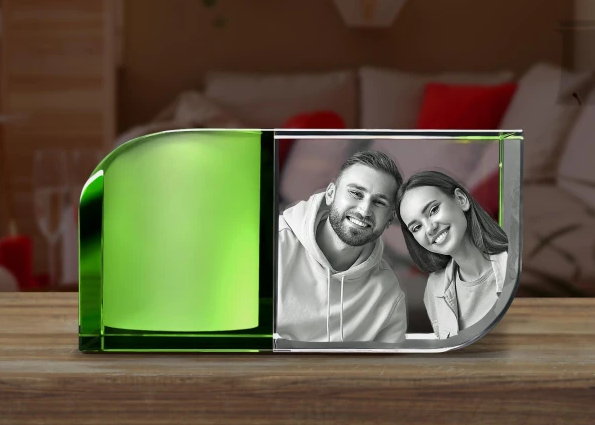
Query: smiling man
[333, 284]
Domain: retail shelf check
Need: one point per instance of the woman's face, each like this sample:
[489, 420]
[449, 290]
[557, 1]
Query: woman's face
[436, 221]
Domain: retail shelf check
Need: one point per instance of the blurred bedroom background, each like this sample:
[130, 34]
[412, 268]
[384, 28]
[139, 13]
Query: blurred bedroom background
[79, 78]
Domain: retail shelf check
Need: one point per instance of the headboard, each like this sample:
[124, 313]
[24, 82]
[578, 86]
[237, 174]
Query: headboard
[168, 46]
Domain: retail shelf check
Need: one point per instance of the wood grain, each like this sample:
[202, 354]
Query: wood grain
[58, 76]
[536, 367]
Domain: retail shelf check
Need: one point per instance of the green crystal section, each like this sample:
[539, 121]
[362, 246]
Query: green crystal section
[170, 242]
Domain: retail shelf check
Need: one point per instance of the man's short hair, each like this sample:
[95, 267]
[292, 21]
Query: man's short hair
[376, 160]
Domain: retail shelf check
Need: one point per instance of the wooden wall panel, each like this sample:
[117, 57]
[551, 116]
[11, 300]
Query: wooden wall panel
[58, 74]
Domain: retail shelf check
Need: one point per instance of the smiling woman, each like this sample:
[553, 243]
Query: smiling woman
[450, 236]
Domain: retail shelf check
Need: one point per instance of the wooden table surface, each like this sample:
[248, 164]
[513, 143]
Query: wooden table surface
[536, 367]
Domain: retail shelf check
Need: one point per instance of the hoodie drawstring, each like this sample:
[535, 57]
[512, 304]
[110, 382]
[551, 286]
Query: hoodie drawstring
[328, 306]
[341, 326]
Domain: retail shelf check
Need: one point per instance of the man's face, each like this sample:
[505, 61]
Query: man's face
[362, 204]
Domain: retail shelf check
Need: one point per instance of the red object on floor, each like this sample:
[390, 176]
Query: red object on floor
[16, 255]
[464, 107]
[313, 120]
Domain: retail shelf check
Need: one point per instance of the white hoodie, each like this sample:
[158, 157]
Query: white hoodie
[317, 303]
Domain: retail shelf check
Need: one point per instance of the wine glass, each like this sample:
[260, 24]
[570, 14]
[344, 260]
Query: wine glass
[50, 192]
[82, 162]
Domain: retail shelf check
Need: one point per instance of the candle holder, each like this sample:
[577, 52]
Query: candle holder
[180, 245]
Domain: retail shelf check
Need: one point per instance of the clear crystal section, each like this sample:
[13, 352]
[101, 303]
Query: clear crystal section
[490, 151]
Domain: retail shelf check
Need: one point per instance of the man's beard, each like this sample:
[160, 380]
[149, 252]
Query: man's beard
[350, 235]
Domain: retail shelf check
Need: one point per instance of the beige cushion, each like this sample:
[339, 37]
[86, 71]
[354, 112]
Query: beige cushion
[392, 99]
[558, 243]
[576, 172]
[268, 100]
[544, 108]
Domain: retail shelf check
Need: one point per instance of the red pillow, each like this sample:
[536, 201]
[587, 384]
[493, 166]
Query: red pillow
[315, 120]
[469, 107]
[464, 107]
[487, 192]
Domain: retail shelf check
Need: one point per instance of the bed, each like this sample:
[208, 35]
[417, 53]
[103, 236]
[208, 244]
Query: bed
[558, 186]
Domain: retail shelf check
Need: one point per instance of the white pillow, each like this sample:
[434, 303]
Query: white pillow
[486, 165]
[544, 108]
[312, 164]
[190, 109]
[576, 172]
[8, 282]
[391, 99]
[459, 160]
[268, 100]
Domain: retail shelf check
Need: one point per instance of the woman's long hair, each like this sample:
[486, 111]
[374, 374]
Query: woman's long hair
[483, 231]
